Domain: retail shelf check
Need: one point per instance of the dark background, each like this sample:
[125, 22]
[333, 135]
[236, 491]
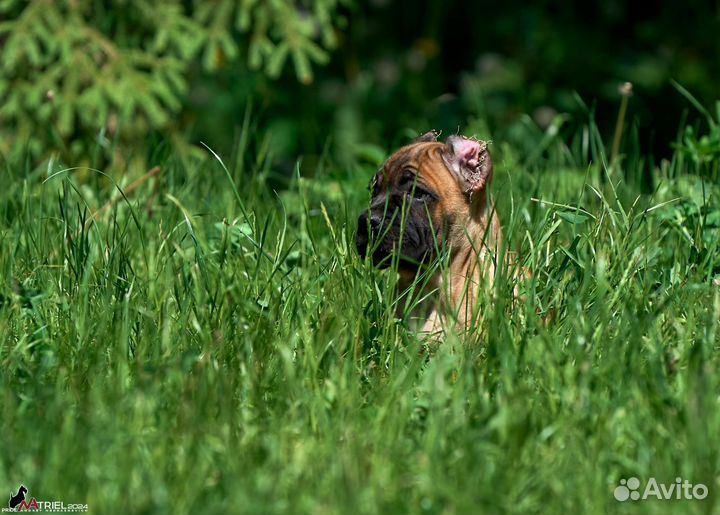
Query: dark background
[404, 66]
[88, 82]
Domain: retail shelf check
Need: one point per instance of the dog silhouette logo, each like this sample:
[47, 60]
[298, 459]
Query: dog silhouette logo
[18, 498]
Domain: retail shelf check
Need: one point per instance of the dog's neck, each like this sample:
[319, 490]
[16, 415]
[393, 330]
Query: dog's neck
[453, 293]
[470, 237]
[474, 245]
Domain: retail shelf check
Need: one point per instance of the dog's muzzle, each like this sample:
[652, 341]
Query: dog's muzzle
[382, 234]
[369, 229]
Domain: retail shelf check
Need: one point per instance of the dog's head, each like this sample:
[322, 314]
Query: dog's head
[421, 192]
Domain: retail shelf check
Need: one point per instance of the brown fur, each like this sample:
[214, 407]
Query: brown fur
[462, 217]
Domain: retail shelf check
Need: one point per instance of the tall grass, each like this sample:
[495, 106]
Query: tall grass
[206, 345]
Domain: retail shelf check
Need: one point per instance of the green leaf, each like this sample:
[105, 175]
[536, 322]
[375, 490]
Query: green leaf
[694, 101]
[573, 218]
[373, 154]
[277, 59]
[302, 66]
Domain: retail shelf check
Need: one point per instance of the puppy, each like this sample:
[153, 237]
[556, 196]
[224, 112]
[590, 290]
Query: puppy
[430, 199]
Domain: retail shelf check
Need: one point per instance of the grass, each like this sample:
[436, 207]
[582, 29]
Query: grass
[200, 349]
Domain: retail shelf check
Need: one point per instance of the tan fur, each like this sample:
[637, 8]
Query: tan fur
[474, 237]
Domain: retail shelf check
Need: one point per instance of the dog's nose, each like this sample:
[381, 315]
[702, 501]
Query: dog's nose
[370, 227]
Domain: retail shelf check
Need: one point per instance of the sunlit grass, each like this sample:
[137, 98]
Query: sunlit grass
[209, 346]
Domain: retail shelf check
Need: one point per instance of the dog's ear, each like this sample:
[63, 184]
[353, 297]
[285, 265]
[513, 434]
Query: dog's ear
[470, 161]
[427, 137]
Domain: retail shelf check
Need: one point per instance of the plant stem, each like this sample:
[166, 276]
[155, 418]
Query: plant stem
[626, 93]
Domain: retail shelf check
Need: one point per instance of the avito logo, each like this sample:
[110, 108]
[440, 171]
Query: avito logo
[630, 489]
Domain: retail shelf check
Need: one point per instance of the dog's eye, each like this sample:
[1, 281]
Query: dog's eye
[413, 187]
[420, 193]
[408, 181]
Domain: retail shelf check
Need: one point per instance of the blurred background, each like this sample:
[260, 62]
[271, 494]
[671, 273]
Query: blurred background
[91, 82]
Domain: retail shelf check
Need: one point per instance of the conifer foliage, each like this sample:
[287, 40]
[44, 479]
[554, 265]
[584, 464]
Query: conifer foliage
[73, 71]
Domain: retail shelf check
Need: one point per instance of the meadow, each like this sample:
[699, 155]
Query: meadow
[205, 341]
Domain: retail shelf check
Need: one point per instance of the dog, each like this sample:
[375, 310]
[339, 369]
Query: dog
[430, 199]
[18, 498]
